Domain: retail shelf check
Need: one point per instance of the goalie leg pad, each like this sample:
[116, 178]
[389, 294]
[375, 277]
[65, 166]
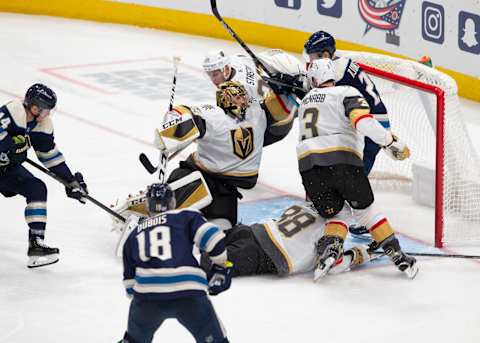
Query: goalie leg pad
[191, 191]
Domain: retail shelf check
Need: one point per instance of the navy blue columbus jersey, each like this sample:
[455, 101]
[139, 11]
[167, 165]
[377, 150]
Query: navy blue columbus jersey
[13, 122]
[158, 256]
[349, 73]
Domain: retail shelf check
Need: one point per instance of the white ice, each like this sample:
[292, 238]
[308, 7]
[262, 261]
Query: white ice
[113, 84]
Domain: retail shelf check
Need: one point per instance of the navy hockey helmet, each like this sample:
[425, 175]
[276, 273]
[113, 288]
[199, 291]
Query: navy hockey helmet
[160, 197]
[319, 42]
[41, 96]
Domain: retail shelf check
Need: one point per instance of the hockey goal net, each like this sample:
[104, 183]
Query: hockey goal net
[444, 169]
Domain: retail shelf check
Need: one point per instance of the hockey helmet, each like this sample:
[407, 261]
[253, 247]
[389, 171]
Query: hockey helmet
[215, 60]
[40, 96]
[319, 42]
[232, 97]
[160, 198]
[321, 71]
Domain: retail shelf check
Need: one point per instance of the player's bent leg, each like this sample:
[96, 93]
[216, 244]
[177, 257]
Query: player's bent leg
[329, 248]
[144, 318]
[384, 236]
[198, 316]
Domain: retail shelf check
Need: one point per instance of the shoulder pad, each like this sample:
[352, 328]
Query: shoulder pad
[17, 111]
[46, 126]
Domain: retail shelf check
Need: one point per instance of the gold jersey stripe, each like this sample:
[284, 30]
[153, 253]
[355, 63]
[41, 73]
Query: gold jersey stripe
[356, 114]
[279, 247]
[238, 174]
[327, 150]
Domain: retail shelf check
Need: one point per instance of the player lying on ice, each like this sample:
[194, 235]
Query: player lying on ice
[282, 246]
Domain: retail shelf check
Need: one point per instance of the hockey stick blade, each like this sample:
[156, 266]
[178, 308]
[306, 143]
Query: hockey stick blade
[146, 163]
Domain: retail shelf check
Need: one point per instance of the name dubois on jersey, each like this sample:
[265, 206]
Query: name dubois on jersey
[152, 222]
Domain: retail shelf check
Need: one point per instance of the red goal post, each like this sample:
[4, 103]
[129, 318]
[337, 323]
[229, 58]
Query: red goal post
[425, 112]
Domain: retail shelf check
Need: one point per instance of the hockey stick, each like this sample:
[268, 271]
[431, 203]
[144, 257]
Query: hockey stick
[213, 5]
[147, 164]
[66, 184]
[163, 158]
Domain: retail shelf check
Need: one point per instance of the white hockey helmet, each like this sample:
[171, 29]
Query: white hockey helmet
[215, 60]
[321, 71]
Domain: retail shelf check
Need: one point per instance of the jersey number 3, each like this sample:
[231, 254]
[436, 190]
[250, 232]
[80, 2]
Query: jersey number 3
[158, 244]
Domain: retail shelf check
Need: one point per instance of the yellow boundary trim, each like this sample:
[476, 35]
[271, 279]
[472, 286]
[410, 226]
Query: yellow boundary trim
[200, 24]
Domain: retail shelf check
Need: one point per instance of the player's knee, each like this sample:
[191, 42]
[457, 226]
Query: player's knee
[329, 211]
[37, 190]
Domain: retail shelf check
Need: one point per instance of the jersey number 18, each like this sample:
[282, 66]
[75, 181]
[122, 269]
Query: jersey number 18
[158, 244]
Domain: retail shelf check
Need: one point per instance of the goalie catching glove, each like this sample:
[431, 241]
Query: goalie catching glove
[397, 150]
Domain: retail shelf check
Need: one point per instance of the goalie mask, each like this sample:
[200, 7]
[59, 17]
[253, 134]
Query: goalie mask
[160, 198]
[233, 99]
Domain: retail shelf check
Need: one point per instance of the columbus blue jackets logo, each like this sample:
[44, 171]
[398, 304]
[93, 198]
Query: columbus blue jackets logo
[383, 15]
[242, 139]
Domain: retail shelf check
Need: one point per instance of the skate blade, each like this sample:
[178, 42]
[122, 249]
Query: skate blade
[412, 271]
[40, 261]
[320, 273]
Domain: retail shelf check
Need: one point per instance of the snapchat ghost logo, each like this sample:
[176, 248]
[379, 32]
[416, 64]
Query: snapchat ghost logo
[468, 32]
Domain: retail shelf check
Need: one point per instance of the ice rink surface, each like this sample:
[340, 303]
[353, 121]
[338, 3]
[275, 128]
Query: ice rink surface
[113, 83]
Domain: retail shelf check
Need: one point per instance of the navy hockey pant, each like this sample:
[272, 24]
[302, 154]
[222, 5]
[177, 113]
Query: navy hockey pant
[195, 313]
[370, 152]
[19, 181]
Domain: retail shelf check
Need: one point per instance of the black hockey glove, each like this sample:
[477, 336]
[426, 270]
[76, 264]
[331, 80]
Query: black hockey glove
[220, 278]
[77, 188]
[284, 84]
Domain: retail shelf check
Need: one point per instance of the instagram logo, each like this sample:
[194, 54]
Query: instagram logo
[433, 23]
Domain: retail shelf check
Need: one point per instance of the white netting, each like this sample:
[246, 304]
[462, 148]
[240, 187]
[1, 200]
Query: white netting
[413, 117]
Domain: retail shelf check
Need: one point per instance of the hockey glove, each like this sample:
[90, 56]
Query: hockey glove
[77, 188]
[18, 151]
[284, 84]
[220, 278]
[397, 150]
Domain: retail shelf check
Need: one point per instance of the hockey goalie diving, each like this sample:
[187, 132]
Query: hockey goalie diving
[289, 264]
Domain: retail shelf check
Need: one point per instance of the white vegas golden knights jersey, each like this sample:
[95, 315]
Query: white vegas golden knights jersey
[327, 120]
[246, 74]
[231, 147]
[290, 240]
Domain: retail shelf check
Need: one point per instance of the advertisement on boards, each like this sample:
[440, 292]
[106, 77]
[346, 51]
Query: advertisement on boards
[448, 31]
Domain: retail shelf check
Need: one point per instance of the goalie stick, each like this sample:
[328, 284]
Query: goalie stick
[269, 79]
[163, 159]
[66, 184]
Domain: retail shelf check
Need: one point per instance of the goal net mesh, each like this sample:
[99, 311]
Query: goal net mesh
[413, 116]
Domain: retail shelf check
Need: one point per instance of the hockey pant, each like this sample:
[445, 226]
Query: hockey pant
[329, 187]
[17, 180]
[195, 313]
[246, 254]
